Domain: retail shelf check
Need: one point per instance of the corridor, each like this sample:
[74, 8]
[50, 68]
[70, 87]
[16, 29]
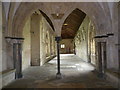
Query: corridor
[75, 74]
[85, 35]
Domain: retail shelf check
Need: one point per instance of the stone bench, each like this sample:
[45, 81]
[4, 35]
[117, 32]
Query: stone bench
[7, 76]
[113, 77]
[50, 57]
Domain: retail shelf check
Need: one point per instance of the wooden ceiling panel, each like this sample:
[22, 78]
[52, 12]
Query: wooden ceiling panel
[74, 20]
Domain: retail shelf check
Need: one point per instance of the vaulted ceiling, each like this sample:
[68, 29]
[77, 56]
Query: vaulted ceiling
[48, 19]
[72, 24]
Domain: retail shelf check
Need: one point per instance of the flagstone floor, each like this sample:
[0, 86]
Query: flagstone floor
[75, 74]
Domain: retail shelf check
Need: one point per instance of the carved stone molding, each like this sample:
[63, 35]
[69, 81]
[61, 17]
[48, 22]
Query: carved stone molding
[57, 38]
[14, 40]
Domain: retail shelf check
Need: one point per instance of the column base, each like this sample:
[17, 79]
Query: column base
[59, 76]
[101, 75]
[18, 76]
[89, 61]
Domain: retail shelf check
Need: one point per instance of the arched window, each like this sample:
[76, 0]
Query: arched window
[62, 45]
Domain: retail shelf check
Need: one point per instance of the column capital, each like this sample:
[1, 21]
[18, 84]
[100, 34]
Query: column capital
[14, 40]
[57, 38]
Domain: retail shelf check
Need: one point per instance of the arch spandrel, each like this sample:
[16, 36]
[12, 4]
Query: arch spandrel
[93, 10]
[96, 13]
[24, 11]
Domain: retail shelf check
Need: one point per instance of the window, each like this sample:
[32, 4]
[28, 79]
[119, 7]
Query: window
[62, 45]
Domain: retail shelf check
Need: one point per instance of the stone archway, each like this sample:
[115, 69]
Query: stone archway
[90, 10]
[95, 16]
[25, 10]
[103, 15]
[98, 16]
[85, 31]
[16, 36]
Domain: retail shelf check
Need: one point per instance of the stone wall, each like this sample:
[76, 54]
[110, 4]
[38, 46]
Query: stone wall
[81, 40]
[91, 32]
[7, 47]
[47, 41]
[85, 42]
[7, 77]
[26, 48]
[45, 45]
[7, 72]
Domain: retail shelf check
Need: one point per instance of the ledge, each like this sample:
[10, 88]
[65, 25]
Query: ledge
[6, 72]
[50, 57]
[114, 73]
[113, 77]
[7, 76]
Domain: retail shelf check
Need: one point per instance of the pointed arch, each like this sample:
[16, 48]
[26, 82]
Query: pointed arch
[48, 19]
[23, 12]
[92, 13]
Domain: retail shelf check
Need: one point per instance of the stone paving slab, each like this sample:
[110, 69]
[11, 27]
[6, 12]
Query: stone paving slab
[75, 74]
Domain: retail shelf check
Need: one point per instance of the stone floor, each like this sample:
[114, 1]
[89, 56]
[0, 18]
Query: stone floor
[75, 74]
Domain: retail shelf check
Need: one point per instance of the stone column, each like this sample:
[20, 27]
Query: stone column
[58, 56]
[35, 40]
[17, 55]
[118, 45]
[100, 59]
[17, 48]
[50, 45]
[1, 44]
[44, 53]
[55, 48]
[42, 44]
[41, 41]
[46, 43]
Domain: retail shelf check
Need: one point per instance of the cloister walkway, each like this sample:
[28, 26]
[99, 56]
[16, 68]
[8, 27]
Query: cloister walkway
[75, 74]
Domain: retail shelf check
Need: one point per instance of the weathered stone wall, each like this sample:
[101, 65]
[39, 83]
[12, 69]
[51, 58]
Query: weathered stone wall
[69, 46]
[7, 53]
[7, 77]
[7, 48]
[81, 40]
[26, 48]
[47, 41]
[85, 42]
[91, 43]
[113, 41]
[6, 57]
[45, 46]
[42, 43]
